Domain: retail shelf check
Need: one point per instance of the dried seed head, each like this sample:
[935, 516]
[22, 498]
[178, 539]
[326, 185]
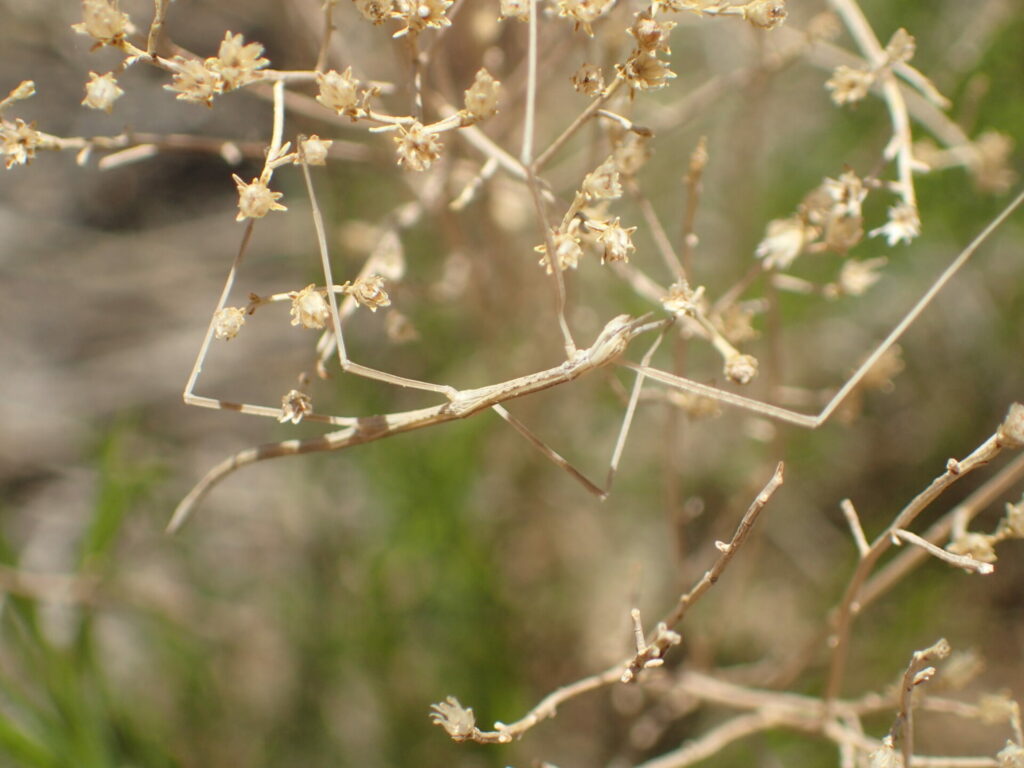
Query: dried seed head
[616, 240]
[765, 14]
[458, 721]
[420, 14]
[584, 12]
[736, 323]
[482, 97]
[645, 71]
[228, 322]
[101, 92]
[651, 36]
[855, 277]
[1012, 524]
[901, 47]
[369, 291]
[192, 81]
[339, 92]
[103, 22]
[417, 149]
[682, 299]
[18, 142]
[294, 406]
[903, 225]
[783, 241]
[255, 200]
[741, 368]
[631, 153]
[603, 182]
[849, 84]
[309, 308]
[237, 63]
[588, 79]
[843, 232]
[847, 193]
[314, 150]
[567, 251]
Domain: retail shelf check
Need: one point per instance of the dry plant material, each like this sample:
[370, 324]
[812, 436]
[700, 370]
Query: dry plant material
[600, 220]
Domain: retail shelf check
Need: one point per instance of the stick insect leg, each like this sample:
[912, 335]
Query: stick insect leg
[812, 421]
[347, 365]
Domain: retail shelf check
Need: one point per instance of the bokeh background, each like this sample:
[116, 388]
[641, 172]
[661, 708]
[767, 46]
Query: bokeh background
[316, 606]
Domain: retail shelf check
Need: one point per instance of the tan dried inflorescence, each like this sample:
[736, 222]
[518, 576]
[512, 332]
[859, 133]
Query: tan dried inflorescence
[255, 199]
[417, 148]
[235, 65]
[309, 308]
[369, 291]
[103, 22]
[101, 92]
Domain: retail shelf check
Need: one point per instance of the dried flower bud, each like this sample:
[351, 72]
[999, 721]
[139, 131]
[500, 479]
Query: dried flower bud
[255, 200]
[741, 368]
[645, 71]
[25, 90]
[228, 322]
[417, 149]
[294, 406]
[514, 9]
[903, 225]
[101, 92]
[369, 291]
[194, 82]
[603, 182]
[236, 63]
[765, 14]
[482, 97]
[783, 241]
[847, 193]
[849, 84]
[584, 12]
[309, 308]
[458, 721]
[18, 142]
[420, 14]
[855, 277]
[651, 35]
[1011, 431]
[683, 300]
[314, 150]
[588, 79]
[103, 22]
[616, 241]
[631, 153]
[901, 47]
[567, 251]
[339, 92]
[377, 11]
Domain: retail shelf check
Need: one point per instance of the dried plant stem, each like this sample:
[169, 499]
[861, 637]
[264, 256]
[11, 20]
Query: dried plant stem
[895, 570]
[687, 600]
[917, 672]
[576, 124]
[960, 561]
[848, 608]
[850, 513]
[901, 146]
[325, 40]
[159, 14]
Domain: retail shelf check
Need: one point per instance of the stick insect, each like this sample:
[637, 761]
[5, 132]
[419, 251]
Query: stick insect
[607, 349]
